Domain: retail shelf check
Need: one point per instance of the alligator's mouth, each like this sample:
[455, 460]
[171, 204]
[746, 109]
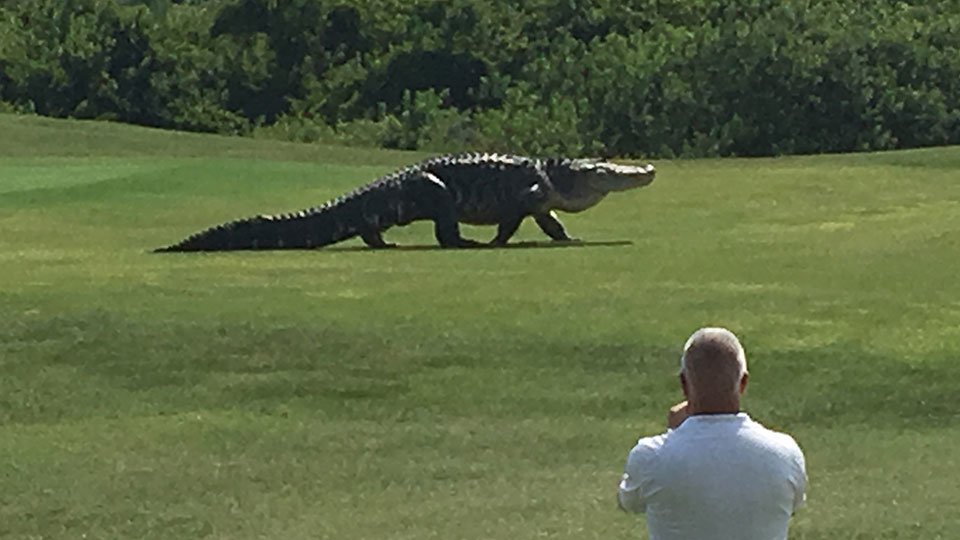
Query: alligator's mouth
[616, 177]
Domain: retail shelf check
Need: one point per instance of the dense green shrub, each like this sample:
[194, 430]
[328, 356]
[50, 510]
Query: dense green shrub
[92, 59]
[675, 77]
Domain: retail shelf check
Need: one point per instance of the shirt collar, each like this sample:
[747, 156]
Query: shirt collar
[717, 418]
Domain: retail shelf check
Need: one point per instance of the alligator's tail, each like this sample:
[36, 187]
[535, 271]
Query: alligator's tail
[315, 227]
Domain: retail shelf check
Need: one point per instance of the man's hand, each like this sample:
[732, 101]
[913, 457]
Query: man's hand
[678, 413]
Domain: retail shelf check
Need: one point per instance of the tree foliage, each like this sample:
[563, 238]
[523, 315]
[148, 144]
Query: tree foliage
[674, 77]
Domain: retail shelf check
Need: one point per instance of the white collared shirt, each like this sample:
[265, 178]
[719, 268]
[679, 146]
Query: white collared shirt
[719, 476]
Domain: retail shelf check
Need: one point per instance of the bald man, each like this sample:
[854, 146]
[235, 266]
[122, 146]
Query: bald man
[715, 473]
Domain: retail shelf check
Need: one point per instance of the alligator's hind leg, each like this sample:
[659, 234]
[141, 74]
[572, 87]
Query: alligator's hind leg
[550, 224]
[443, 212]
[506, 230]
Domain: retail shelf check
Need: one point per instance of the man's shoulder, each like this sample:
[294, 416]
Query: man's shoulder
[643, 457]
[773, 434]
[648, 447]
[784, 441]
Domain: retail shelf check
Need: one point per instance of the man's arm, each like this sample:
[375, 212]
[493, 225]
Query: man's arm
[637, 483]
[799, 481]
[678, 413]
[630, 496]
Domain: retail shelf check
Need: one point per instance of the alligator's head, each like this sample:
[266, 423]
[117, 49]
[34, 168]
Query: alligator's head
[582, 183]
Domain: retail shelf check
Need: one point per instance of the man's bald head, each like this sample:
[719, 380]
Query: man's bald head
[713, 363]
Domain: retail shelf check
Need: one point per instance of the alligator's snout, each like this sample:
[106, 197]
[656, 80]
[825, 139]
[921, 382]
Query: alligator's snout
[638, 175]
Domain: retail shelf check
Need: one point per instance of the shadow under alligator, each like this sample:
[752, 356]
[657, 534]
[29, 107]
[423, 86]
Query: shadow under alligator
[434, 247]
[515, 245]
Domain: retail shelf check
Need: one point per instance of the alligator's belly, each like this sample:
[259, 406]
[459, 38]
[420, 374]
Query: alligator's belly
[480, 218]
[490, 202]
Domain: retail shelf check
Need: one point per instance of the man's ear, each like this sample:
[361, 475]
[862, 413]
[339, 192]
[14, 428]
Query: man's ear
[684, 385]
[743, 382]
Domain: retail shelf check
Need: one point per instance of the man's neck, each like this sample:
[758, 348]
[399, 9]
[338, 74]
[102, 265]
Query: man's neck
[731, 407]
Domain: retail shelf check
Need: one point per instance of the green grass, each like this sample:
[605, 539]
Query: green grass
[415, 394]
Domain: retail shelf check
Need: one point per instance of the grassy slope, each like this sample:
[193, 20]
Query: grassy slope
[421, 394]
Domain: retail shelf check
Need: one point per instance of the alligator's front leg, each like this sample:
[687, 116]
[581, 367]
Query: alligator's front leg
[528, 202]
[506, 230]
[550, 224]
[443, 212]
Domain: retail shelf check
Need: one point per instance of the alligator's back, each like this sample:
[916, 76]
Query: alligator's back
[486, 186]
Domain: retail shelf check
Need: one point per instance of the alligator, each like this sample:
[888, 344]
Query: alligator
[475, 188]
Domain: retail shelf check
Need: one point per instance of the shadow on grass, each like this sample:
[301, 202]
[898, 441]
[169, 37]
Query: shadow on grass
[517, 245]
[422, 247]
[88, 363]
[844, 384]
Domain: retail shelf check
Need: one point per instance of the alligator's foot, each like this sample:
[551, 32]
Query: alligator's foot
[464, 243]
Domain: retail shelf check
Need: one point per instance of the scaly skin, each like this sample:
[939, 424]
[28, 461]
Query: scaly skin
[480, 189]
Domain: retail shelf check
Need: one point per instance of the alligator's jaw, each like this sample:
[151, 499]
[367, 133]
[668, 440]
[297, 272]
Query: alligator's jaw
[584, 183]
[623, 177]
